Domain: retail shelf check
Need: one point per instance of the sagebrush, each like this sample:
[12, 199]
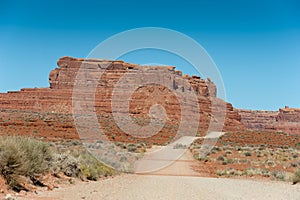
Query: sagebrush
[24, 158]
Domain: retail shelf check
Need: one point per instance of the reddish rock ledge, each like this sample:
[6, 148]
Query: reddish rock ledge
[285, 120]
[47, 112]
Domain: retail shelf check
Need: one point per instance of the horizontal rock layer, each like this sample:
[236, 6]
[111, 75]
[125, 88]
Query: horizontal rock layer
[285, 120]
[100, 88]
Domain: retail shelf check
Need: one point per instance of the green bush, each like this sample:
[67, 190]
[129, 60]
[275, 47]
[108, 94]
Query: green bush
[23, 156]
[203, 158]
[91, 168]
[294, 164]
[221, 158]
[279, 175]
[265, 172]
[80, 163]
[229, 160]
[24, 160]
[247, 154]
[132, 147]
[66, 163]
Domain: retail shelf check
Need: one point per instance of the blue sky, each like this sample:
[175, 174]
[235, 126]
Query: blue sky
[255, 44]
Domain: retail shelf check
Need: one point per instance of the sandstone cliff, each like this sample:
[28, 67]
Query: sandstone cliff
[47, 112]
[285, 120]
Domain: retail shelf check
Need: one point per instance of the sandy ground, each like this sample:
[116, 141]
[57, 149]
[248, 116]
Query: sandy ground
[177, 181]
[151, 187]
[167, 160]
[181, 167]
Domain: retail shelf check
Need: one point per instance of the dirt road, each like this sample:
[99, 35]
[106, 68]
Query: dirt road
[144, 187]
[177, 181]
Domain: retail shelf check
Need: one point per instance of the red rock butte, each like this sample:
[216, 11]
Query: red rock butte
[48, 112]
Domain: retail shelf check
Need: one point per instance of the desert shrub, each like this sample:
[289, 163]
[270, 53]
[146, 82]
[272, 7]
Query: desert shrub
[23, 156]
[265, 172]
[259, 155]
[238, 148]
[247, 154]
[96, 168]
[270, 162]
[217, 148]
[220, 158]
[228, 152]
[213, 151]
[231, 171]
[132, 147]
[121, 145]
[202, 158]
[66, 163]
[294, 164]
[224, 162]
[279, 175]
[250, 172]
[285, 159]
[227, 161]
[76, 142]
[24, 160]
[262, 147]
[228, 172]
[123, 159]
[296, 177]
[295, 155]
[141, 145]
[220, 173]
[80, 163]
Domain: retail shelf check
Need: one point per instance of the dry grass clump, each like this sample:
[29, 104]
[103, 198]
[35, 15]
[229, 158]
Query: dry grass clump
[88, 167]
[23, 157]
[279, 175]
[248, 172]
[258, 160]
[23, 160]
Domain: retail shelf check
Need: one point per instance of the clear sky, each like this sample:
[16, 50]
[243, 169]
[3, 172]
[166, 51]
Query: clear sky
[255, 44]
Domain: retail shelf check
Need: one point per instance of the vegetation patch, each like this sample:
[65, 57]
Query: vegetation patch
[250, 160]
[24, 160]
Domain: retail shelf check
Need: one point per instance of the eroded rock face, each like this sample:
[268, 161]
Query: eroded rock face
[285, 120]
[48, 112]
[288, 115]
[257, 119]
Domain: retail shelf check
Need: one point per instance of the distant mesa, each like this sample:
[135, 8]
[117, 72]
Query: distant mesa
[47, 112]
